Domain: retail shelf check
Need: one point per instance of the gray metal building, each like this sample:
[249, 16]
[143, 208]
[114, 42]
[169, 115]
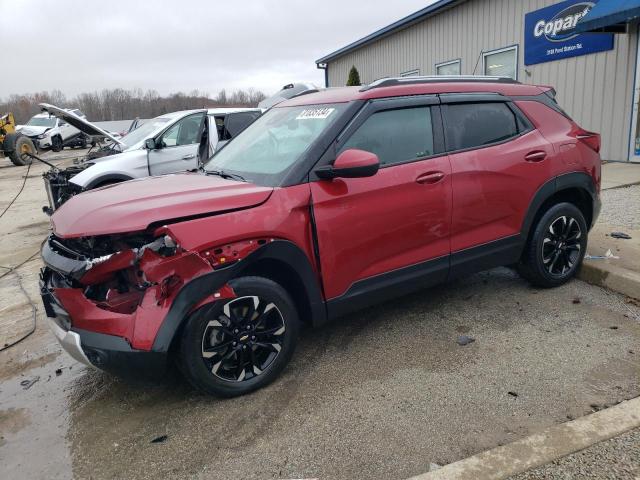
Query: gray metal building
[535, 41]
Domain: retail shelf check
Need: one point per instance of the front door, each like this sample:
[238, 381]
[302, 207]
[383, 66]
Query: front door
[177, 147]
[377, 234]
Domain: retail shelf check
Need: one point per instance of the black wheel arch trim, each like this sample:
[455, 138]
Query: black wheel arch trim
[197, 289]
[565, 181]
[111, 177]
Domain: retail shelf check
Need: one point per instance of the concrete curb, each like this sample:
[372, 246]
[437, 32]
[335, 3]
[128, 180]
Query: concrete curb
[614, 278]
[542, 448]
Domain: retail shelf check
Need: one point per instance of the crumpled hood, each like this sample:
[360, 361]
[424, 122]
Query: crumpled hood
[132, 206]
[30, 131]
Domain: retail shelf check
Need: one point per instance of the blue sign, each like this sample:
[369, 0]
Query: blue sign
[549, 33]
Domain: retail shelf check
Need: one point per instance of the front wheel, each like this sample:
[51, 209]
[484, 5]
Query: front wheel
[241, 344]
[23, 148]
[56, 144]
[556, 248]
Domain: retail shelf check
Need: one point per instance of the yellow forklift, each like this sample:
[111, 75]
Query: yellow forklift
[13, 144]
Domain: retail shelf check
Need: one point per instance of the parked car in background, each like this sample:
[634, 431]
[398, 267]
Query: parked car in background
[165, 144]
[330, 202]
[50, 132]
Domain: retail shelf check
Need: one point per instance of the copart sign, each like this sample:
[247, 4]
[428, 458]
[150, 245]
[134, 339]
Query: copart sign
[550, 33]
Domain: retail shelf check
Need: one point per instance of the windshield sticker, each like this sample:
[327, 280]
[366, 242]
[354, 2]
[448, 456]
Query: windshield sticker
[315, 113]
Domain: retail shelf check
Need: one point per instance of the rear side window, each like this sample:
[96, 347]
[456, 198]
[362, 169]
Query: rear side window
[395, 136]
[474, 125]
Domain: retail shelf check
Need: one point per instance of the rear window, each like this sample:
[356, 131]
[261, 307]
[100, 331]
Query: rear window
[474, 125]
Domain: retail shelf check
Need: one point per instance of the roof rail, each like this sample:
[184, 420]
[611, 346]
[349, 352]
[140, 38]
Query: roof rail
[393, 81]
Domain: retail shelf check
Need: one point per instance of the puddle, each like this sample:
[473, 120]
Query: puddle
[34, 421]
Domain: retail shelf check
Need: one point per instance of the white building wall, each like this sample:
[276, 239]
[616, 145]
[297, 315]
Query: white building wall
[596, 89]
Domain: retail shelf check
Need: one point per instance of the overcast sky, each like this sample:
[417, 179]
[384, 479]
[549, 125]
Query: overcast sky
[178, 45]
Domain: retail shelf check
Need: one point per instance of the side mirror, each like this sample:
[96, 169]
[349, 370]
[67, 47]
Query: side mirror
[351, 163]
[150, 144]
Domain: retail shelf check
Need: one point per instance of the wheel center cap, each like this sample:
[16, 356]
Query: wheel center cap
[244, 338]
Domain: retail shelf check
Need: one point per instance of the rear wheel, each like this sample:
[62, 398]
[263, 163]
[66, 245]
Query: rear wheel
[56, 143]
[556, 248]
[23, 147]
[238, 345]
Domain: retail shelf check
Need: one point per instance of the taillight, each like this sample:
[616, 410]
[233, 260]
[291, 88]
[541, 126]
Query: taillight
[591, 139]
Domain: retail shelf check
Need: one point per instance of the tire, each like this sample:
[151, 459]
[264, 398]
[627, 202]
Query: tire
[83, 141]
[23, 145]
[556, 248]
[219, 341]
[56, 144]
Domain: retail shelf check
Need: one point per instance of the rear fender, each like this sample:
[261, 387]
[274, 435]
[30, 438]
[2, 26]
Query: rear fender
[580, 180]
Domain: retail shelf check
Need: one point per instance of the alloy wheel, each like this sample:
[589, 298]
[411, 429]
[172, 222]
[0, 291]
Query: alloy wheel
[561, 246]
[244, 339]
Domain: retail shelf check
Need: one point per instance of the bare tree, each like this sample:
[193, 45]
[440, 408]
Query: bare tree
[121, 104]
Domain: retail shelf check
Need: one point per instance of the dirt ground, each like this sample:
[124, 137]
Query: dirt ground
[379, 394]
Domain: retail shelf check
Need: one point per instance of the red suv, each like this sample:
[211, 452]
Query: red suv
[330, 202]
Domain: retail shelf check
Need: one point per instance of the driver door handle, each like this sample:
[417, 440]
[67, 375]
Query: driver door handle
[430, 177]
[188, 157]
[535, 156]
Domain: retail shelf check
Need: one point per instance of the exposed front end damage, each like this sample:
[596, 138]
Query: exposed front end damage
[107, 297]
[58, 186]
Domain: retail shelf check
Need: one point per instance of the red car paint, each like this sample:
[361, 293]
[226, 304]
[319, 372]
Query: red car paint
[401, 216]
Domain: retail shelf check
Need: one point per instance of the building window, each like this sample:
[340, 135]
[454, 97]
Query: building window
[501, 63]
[448, 68]
[411, 73]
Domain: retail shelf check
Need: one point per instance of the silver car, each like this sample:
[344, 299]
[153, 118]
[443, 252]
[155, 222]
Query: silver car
[165, 144]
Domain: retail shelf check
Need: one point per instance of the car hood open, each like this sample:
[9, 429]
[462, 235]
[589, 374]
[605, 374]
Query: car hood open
[134, 205]
[78, 122]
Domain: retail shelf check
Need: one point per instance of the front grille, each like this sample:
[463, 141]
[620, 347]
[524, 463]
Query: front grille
[81, 249]
[59, 188]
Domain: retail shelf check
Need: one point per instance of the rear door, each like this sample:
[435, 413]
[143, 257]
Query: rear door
[377, 234]
[498, 162]
[178, 146]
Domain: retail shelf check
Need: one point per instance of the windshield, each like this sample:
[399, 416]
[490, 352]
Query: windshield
[143, 132]
[266, 150]
[42, 122]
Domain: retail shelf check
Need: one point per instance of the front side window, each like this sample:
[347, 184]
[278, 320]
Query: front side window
[448, 68]
[473, 125]
[265, 151]
[501, 63]
[184, 132]
[395, 136]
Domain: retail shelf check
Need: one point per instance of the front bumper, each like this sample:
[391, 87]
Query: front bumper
[70, 342]
[106, 352]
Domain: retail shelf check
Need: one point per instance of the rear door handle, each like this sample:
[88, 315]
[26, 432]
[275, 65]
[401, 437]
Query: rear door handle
[535, 156]
[188, 157]
[430, 177]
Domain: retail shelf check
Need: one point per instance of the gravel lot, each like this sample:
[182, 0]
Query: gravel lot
[621, 207]
[615, 459]
[380, 394]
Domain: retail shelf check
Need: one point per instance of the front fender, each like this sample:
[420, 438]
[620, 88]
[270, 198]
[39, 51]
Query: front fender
[122, 166]
[198, 289]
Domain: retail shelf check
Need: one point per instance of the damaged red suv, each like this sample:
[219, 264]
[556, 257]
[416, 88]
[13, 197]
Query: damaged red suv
[330, 202]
